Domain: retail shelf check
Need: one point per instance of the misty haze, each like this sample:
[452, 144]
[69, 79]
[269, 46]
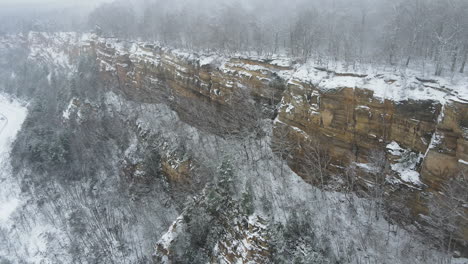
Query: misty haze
[234, 131]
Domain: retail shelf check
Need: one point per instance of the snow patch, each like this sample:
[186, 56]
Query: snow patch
[406, 165]
[207, 60]
[71, 106]
[289, 108]
[394, 149]
[366, 166]
[7, 208]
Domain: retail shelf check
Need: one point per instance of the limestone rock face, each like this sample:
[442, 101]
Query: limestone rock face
[448, 151]
[143, 68]
[198, 87]
[352, 124]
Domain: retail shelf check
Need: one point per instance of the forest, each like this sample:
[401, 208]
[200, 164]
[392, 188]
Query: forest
[412, 33]
[233, 131]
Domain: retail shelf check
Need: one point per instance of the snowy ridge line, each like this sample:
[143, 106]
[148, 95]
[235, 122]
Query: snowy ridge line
[386, 85]
[394, 85]
[390, 85]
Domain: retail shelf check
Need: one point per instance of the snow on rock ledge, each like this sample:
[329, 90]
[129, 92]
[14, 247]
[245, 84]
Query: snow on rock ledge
[385, 84]
[406, 163]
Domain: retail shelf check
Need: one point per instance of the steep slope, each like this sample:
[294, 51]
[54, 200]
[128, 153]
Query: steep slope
[12, 115]
[163, 131]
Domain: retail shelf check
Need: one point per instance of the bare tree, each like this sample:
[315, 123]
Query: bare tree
[448, 211]
[314, 160]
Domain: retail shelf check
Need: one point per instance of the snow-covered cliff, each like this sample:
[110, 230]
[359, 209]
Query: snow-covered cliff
[173, 142]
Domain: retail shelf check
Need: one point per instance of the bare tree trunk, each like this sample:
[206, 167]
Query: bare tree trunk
[291, 42]
[276, 43]
[462, 68]
[454, 59]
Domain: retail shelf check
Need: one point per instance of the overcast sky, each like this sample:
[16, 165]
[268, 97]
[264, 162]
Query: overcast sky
[50, 2]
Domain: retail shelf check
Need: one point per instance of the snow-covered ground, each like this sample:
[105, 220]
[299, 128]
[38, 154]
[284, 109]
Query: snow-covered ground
[12, 115]
[386, 83]
[24, 236]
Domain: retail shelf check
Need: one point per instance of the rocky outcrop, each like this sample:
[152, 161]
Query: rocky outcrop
[176, 169]
[354, 120]
[428, 136]
[221, 86]
[448, 151]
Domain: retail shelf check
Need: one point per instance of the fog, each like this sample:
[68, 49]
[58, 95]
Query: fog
[233, 131]
[379, 31]
[26, 3]
[60, 15]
